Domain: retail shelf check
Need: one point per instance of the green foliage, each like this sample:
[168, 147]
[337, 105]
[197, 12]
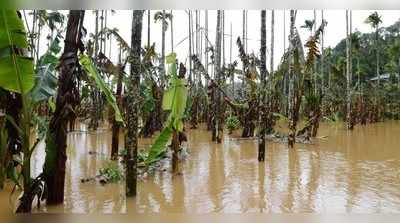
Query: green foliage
[111, 172]
[146, 93]
[16, 71]
[159, 146]
[232, 123]
[51, 56]
[45, 86]
[92, 72]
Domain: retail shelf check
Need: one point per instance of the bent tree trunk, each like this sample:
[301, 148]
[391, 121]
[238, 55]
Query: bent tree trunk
[132, 108]
[67, 99]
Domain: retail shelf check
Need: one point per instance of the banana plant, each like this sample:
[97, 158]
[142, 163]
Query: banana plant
[174, 100]
[18, 76]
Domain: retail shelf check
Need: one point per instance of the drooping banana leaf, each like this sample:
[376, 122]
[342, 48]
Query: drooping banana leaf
[16, 71]
[46, 84]
[159, 146]
[91, 70]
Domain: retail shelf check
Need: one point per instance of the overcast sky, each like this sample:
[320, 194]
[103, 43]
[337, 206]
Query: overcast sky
[335, 31]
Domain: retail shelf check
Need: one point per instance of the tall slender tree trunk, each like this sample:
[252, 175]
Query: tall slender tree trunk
[377, 54]
[162, 65]
[263, 72]
[316, 87]
[223, 37]
[285, 75]
[172, 32]
[230, 60]
[67, 99]
[38, 39]
[218, 116]
[132, 109]
[292, 100]
[148, 27]
[348, 70]
[244, 46]
[190, 48]
[272, 41]
[322, 56]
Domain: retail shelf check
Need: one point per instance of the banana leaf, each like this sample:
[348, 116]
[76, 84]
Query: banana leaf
[159, 146]
[45, 86]
[91, 70]
[16, 71]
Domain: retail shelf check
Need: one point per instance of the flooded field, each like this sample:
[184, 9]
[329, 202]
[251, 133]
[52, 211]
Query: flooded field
[343, 171]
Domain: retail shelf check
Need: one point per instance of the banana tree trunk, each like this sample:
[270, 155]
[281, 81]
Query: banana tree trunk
[67, 99]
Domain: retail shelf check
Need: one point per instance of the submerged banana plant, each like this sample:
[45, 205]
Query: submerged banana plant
[174, 100]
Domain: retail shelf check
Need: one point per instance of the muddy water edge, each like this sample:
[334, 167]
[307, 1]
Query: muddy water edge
[342, 171]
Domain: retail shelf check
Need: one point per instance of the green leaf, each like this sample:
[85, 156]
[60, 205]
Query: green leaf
[171, 58]
[13, 28]
[160, 145]
[16, 71]
[52, 104]
[91, 70]
[45, 86]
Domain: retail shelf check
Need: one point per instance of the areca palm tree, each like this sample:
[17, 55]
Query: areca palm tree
[263, 72]
[308, 25]
[132, 110]
[374, 20]
[348, 69]
[163, 17]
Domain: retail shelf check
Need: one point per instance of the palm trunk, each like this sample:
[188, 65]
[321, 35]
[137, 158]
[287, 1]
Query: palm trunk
[272, 41]
[348, 70]
[217, 102]
[148, 27]
[322, 56]
[132, 109]
[67, 100]
[316, 87]
[172, 32]
[377, 54]
[96, 32]
[162, 65]
[263, 68]
[292, 100]
[190, 48]
[230, 61]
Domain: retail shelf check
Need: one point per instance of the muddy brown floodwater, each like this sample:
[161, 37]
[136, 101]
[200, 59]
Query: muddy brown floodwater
[343, 171]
